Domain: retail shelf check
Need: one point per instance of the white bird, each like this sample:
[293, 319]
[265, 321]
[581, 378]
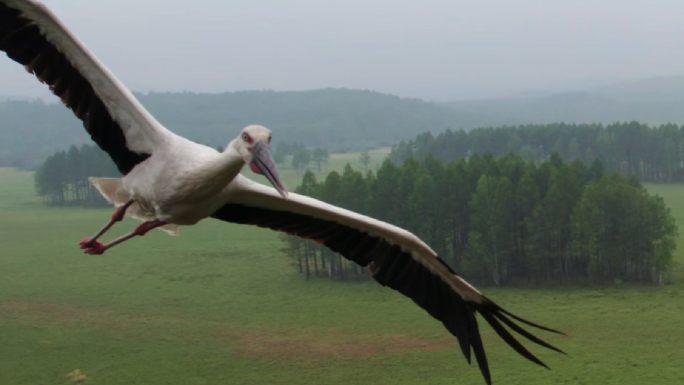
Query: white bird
[171, 181]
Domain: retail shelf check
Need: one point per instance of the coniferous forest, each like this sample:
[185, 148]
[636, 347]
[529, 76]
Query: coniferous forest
[653, 154]
[63, 178]
[503, 221]
[506, 221]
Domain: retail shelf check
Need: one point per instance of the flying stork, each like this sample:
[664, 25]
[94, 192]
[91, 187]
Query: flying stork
[171, 181]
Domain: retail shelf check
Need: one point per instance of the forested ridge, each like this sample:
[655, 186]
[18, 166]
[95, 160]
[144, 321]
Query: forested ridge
[653, 154]
[337, 119]
[506, 221]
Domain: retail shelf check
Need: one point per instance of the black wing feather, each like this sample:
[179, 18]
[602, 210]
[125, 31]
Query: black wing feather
[24, 43]
[395, 268]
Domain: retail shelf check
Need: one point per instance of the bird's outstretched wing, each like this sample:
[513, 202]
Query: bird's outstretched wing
[397, 259]
[33, 36]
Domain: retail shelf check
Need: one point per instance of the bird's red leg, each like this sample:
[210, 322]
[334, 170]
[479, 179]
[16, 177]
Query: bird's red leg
[118, 216]
[141, 230]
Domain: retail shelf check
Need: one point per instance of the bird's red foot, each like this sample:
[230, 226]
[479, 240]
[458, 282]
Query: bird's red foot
[96, 249]
[86, 243]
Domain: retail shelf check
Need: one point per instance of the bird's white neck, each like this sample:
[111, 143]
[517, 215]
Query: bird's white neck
[217, 172]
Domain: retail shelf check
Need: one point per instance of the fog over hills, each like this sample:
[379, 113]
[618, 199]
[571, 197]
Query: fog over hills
[663, 89]
[339, 119]
[342, 119]
[653, 101]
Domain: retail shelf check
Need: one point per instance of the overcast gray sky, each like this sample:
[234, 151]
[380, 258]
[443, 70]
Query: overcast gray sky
[431, 49]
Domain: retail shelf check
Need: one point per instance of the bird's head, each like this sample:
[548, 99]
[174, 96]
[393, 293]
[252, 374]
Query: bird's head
[254, 145]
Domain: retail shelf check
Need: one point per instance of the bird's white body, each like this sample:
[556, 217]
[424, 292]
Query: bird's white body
[183, 182]
[170, 181]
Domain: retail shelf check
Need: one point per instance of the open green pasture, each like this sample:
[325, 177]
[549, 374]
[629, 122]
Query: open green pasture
[222, 305]
[337, 162]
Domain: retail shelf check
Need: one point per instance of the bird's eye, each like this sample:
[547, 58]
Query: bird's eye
[245, 137]
[269, 138]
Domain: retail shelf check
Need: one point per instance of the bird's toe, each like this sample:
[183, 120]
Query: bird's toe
[96, 249]
[86, 243]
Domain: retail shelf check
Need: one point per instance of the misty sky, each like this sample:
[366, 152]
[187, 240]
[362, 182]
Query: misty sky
[437, 50]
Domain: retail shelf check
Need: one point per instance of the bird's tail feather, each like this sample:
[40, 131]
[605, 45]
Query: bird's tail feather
[171, 229]
[111, 189]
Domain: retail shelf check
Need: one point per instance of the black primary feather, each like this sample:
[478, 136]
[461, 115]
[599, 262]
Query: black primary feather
[24, 43]
[397, 269]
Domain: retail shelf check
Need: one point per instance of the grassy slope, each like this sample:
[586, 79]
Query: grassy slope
[220, 304]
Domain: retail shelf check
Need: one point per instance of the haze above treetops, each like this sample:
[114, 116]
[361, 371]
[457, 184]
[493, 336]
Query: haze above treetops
[338, 119]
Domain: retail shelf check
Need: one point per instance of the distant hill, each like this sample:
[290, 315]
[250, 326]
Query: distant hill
[652, 101]
[664, 89]
[339, 119]
[575, 107]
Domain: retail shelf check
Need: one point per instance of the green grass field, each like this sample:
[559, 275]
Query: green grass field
[221, 305]
[673, 194]
[336, 162]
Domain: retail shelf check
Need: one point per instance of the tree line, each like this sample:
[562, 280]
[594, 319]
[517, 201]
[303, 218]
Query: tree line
[502, 220]
[653, 154]
[63, 178]
[506, 221]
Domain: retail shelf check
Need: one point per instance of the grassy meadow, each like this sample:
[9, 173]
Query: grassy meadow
[222, 305]
[336, 162]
